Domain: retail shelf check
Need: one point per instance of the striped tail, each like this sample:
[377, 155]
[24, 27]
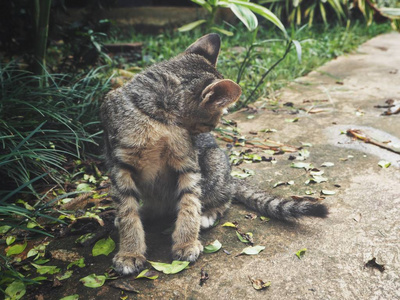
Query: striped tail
[277, 208]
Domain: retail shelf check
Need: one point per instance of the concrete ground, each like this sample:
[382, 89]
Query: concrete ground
[364, 220]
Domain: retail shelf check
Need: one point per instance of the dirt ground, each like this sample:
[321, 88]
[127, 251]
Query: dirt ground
[364, 219]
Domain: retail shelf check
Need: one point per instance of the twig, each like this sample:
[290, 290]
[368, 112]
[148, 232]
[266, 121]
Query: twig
[355, 133]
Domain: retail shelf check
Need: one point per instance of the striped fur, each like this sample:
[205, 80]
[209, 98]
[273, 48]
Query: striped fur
[160, 152]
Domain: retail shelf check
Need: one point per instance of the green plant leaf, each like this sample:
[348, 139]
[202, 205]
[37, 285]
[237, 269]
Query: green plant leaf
[252, 250]
[147, 274]
[16, 249]
[223, 31]
[93, 280]
[213, 247]
[71, 297]
[390, 12]
[191, 26]
[245, 15]
[203, 4]
[301, 253]
[16, 290]
[298, 49]
[103, 247]
[262, 11]
[173, 268]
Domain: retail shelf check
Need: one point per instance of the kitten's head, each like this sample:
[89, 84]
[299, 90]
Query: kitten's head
[209, 94]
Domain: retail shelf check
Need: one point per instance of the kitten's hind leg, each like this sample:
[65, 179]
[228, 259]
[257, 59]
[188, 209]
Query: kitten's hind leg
[132, 247]
[210, 215]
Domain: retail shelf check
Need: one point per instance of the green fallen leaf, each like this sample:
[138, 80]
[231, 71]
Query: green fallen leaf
[103, 247]
[93, 280]
[84, 187]
[316, 172]
[292, 120]
[16, 249]
[264, 218]
[302, 165]
[303, 154]
[306, 144]
[316, 179]
[40, 278]
[16, 290]
[42, 261]
[38, 250]
[291, 182]
[384, 164]
[79, 263]
[173, 268]
[266, 130]
[252, 250]
[245, 237]
[46, 269]
[71, 297]
[147, 274]
[213, 247]
[327, 192]
[259, 284]
[243, 173]
[10, 239]
[84, 238]
[229, 224]
[4, 229]
[301, 253]
[64, 276]
[327, 164]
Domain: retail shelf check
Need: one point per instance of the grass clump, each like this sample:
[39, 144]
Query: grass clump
[319, 44]
[41, 128]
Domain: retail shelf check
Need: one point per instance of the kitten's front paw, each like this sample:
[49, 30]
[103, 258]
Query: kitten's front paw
[188, 251]
[128, 263]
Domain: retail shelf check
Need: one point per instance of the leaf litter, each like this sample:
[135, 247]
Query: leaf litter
[259, 284]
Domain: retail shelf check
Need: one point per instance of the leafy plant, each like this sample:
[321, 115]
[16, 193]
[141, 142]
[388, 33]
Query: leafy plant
[244, 10]
[299, 12]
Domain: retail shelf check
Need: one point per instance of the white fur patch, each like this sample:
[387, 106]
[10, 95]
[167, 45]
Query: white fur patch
[207, 221]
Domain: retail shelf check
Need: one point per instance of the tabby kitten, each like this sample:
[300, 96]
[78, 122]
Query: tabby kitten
[159, 150]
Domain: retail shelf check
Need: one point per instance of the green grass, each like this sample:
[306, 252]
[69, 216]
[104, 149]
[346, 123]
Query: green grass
[319, 45]
[41, 129]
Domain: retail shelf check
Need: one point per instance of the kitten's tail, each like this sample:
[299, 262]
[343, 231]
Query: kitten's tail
[277, 208]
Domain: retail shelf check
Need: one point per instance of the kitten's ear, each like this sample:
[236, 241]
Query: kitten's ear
[207, 46]
[220, 94]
